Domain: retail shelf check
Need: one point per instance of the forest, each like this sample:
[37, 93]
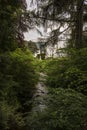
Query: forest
[43, 92]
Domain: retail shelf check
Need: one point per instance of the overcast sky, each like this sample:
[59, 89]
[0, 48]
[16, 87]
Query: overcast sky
[31, 35]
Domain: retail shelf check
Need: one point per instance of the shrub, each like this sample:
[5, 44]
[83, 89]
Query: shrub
[69, 71]
[18, 77]
[66, 110]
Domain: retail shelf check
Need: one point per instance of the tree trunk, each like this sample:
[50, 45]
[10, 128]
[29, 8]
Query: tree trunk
[79, 24]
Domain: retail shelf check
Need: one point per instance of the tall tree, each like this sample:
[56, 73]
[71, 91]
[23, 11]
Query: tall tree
[79, 24]
[62, 11]
[12, 23]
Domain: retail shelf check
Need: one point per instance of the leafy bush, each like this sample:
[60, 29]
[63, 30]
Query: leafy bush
[78, 58]
[9, 118]
[18, 77]
[69, 71]
[66, 110]
[75, 79]
[55, 70]
[41, 65]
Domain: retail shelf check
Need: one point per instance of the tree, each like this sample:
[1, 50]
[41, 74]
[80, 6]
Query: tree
[71, 12]
[12, 23]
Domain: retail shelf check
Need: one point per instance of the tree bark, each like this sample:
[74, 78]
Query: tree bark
[79, 24]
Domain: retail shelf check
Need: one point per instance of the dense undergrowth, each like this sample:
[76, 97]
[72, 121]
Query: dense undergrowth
[69, 71]
[18, 77]
[66, 110]
[66, 103]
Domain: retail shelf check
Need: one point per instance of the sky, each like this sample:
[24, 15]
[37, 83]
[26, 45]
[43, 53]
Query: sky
[33, 34]
[30, 35]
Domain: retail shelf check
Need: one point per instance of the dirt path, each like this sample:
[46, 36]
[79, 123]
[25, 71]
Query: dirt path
[39, 103]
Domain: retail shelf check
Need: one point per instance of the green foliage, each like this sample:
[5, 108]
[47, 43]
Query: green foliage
[18, 77]
[69, 71]
[65, 110]
[79, 59]
[12, 24]
[75, 79]
[31, 46]
[55, 69]
[9, 118]
[41, 65]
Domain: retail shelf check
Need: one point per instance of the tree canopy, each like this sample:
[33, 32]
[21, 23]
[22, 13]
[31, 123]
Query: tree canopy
[72, 12]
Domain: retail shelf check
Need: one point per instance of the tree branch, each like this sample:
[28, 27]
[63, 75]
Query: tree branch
[56, 19]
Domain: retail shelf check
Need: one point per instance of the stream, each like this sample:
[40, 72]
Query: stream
[41, 92]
